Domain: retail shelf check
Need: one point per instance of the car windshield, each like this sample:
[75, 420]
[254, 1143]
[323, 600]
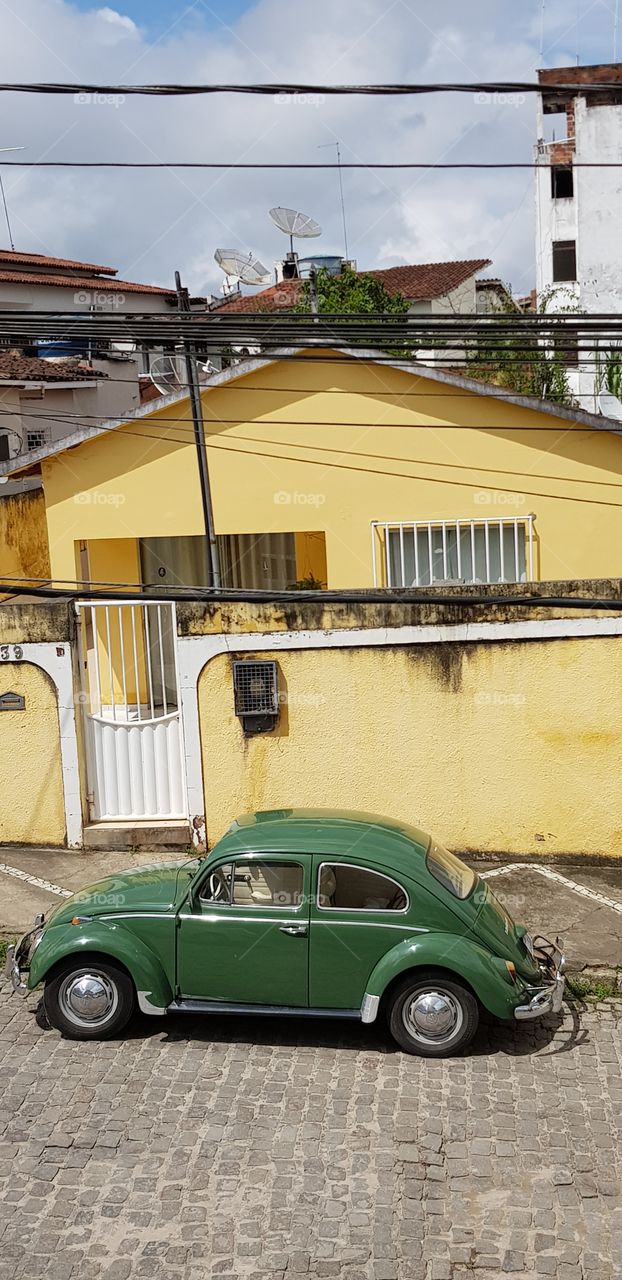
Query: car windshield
[453, 874]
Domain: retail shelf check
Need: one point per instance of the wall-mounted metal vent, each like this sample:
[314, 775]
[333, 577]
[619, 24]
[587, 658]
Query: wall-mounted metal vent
[256, 695]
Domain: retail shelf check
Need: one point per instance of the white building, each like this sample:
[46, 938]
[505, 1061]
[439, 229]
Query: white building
[579, 210]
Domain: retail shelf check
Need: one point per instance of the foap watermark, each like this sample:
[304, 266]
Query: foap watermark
[283, 498]
[285, 99]
[302, 699]
[84, 298]
[101, 899]
[498, 498]
[99, 99]
[498, 698]
[497, 99]
[99, 498]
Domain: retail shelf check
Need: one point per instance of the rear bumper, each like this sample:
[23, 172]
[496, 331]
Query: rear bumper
[547, 998]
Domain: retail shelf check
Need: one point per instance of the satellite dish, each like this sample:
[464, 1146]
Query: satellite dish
[241, 266]
[294, 224]
[609, 405]
[168, 372]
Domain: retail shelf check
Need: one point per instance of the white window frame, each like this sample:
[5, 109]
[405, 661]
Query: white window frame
[381, 558]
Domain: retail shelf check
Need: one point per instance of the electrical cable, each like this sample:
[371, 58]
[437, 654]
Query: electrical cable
[546, 89]
[372, 595]
[297, 164]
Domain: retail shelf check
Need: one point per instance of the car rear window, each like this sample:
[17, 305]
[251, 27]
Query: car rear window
[453, 874]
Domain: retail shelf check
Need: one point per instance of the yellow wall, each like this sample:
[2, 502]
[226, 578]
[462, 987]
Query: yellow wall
[114, 560]
[24, 549]
[31, 810]
[500, 747]
[323, 445]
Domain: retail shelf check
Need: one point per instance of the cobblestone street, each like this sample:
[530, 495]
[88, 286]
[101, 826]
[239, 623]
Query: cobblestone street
[262, 1148]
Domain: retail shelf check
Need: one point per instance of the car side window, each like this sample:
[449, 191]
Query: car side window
[345, 887]
[256, 883]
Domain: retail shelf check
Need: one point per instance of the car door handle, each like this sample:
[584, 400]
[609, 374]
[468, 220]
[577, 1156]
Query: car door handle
[294, 930]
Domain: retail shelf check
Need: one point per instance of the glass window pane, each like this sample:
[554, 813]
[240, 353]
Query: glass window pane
[344, 887]
[259, 883]
[217, 887]
[453, 874]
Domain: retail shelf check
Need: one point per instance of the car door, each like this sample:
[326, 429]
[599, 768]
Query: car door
[244, 936]
[358, 913]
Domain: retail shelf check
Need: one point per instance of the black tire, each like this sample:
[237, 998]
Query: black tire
[455, 1013]
[107, 1003]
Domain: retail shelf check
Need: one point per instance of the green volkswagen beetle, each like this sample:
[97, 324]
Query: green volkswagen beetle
[297, 911]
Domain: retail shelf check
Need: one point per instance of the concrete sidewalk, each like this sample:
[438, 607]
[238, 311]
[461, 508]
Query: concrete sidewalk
[581, 903]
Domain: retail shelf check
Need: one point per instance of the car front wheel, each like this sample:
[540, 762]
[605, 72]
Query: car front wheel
[89, 1001]
[432, 1015]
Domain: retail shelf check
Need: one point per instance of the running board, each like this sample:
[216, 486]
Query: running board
[270, 1010]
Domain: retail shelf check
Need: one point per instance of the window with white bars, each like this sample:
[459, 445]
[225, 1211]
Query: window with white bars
[421, 553]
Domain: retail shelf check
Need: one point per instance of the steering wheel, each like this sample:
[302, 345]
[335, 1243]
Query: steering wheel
[218, 887]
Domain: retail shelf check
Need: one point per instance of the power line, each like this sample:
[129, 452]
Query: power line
[297, 164]
[371, 595]
[498, 87]
[184, 423]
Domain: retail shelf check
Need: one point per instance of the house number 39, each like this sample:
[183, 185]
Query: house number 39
[11, 652]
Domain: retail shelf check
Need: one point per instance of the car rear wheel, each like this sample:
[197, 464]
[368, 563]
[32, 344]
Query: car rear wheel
[432, 1015]
[89, 1001]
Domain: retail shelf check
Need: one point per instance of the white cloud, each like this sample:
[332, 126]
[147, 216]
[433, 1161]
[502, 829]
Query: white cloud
[149, 223]
[117, 19]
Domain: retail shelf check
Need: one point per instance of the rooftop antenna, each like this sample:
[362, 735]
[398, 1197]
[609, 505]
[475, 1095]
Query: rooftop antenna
[241, 266]
[294, 224]
[542, 31]
[343, 205]
[6, 211]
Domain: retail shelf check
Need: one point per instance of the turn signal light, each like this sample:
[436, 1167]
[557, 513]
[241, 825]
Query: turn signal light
[511, 968]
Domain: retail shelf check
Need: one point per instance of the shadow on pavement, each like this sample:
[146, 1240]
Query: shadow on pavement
[492, 1037]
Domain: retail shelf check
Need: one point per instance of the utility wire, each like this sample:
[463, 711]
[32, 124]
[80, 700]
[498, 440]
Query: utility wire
[297, 164]
[384, 595]
[180, 424]
[547, 89]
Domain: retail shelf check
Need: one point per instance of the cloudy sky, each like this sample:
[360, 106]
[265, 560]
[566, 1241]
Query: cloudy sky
[150, 223]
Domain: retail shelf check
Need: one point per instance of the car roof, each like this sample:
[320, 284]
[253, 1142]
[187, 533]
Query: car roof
[334, 832]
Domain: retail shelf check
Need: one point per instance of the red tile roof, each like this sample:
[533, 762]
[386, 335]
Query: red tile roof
[418, 281]
[15, 367]
[96, 283]
[41, 260]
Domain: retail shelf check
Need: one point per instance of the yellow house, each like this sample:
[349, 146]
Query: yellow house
[347, 471]
[331, 468]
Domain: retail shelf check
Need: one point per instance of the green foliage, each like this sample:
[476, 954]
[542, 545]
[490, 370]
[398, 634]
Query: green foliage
[351, 293]
[520, 362]
[3, 947]
[613, 376]
[593, 988]
[310, 583]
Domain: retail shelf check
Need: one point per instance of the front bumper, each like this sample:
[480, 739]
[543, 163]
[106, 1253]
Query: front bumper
[548, 997]
[19, 955]
[12, 969]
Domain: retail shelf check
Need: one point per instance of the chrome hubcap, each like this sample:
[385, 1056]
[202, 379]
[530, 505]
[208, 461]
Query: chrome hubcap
[88, 999]
[433, 1016]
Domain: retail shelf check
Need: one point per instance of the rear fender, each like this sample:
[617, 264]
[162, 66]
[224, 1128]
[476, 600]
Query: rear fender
[107, 938]
[485, 973]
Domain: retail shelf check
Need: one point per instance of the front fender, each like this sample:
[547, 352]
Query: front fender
[108, 938]
[485, 973]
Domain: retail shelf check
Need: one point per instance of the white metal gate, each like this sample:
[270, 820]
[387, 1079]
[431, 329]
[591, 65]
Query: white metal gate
[132, 718]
